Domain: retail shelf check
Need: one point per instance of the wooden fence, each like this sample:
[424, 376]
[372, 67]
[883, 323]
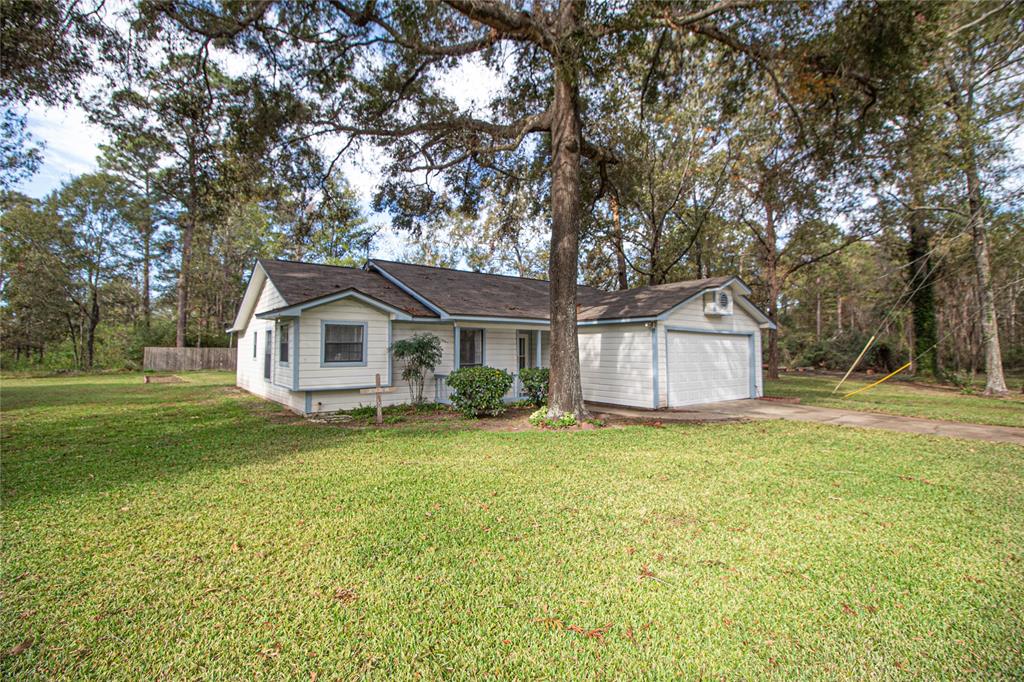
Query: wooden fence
[161, 359]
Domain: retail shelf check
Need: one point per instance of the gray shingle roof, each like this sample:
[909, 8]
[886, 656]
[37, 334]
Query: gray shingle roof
[472, 294]
[649, 301]
[478, 294]
[301, 282]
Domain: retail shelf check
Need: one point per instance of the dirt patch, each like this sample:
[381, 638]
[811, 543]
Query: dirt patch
[780, 399]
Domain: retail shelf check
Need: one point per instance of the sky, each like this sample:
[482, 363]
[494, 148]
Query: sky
[72, 145]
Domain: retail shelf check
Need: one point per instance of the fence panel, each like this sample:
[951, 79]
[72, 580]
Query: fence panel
[159, 359]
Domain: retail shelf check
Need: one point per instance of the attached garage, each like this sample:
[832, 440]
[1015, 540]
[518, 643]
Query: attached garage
[709, 366]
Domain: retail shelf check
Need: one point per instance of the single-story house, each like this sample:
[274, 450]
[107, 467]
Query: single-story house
[312, 336]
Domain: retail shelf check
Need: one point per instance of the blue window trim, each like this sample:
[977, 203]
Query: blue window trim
[348, 323]
[295, 354]
[268, 347]
[753, 361]
[654, 362]
[281, 328]
[458, 345]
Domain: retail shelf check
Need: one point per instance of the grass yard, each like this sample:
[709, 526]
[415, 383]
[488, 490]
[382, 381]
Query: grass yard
[904, 398]
[190, 531]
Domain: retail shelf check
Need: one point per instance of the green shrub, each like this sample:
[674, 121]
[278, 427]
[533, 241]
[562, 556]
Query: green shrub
[479, 390]
[540, 419]
[421, 353]
[535, 383]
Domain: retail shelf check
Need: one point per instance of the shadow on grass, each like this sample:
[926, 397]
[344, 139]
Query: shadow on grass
[68, 440]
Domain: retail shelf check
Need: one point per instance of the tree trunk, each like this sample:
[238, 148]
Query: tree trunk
[774, 287]
[995, 382]
[817, 309]
[90, 332]
[566, 388]
[146, 258]
[186, 264]
[922, 299]
[618, 243]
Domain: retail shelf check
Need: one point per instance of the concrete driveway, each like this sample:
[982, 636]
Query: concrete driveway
[767, 409]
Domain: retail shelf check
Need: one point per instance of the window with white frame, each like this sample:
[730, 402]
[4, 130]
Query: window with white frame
[255, 335]
[344, 343]
[471, 347]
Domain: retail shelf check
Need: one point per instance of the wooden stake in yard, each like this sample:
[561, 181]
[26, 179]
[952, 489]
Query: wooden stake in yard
[379, 391]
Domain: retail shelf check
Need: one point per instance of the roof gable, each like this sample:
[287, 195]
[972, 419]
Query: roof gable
[300, 283]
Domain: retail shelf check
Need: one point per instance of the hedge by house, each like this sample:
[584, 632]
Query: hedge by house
[479, 390]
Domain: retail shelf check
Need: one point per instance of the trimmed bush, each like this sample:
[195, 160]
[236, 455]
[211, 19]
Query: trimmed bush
[479, 390]
[535, 383]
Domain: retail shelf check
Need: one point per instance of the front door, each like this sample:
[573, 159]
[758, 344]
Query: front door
[523, 349]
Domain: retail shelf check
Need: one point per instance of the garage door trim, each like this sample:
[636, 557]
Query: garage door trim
[692, 330]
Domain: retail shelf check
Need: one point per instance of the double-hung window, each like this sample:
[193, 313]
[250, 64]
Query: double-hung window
[344, 343]
[268, 354]
[282, 341]
[471, 347]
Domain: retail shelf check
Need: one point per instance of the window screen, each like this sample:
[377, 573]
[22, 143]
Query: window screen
[343, 343]
[471, 347]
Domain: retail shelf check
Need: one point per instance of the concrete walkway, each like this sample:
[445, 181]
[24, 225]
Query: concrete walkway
[766, 409]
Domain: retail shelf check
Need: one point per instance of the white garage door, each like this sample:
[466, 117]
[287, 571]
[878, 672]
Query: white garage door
[705, 368]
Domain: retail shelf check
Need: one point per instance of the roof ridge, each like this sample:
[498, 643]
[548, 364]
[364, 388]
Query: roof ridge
[467, 272]
[306, 262]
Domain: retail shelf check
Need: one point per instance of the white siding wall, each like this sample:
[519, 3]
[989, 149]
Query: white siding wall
[312, 375]
[249, 372]
[331, 401]
[616, 364]
[692, 316]
[500, 352]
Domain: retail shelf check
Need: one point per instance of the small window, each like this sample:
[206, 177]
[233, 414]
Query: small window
[268, 354]
[723, 299]
[255, 335]
[344, 343]
[471, 347]
[282, 340]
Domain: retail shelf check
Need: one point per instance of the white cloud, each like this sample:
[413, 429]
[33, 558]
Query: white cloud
[72, 144]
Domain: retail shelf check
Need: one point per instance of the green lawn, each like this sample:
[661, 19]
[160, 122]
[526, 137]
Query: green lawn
[187, 531]
[903, 398]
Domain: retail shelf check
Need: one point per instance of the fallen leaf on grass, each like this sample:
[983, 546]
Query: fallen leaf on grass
[345, 595]
[20, 648]
[271, 652]
[646, 573]
[848, 610]
[551, 623]
[596, 633]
